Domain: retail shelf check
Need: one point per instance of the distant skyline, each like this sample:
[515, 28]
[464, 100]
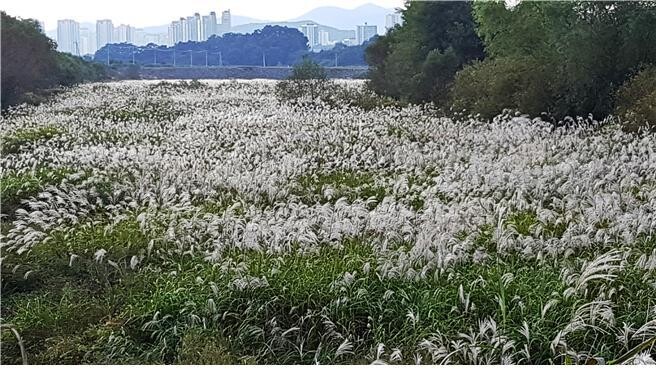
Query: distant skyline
[144, 13]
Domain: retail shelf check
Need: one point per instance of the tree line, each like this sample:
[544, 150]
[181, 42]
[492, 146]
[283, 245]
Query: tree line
[270, 46]
[31, 64]
[555, 58]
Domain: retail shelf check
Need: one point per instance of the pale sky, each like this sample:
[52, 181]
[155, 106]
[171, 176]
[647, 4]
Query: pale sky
[144, 13]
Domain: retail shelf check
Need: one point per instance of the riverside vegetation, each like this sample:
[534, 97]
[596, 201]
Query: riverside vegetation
[210, 222]
[551, 59]
[32, 68]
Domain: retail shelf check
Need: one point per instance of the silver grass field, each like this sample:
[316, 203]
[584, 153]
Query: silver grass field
[211, 223]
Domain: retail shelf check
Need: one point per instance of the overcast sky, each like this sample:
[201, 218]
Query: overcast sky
[142, 13]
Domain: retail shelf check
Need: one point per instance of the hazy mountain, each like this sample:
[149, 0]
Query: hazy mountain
[340, 23]
[348, 18]
[334, 33]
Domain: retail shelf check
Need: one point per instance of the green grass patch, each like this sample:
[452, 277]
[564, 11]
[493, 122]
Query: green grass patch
[15, 142]
[18, 186]
[352, 185]
[297, 307]
[157, 111]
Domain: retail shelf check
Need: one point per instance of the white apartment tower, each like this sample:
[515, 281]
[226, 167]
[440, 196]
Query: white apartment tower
[87, 42]
[392, 20]
[311, 32]
[197, 27]
[226, 21]
[175, 33]
[209, 26]
[184, 30]
[324, 37]
[124, 33]
[104, 33]
[68, 36]
[192, 27]
[364, 33]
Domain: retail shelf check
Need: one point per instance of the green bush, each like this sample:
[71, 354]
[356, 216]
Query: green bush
[308, 80]
[636, 100]
[490, 86]
[416, 62]
[590, 47]
[309, 83]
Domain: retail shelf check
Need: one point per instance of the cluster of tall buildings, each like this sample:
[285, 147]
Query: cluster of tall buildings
[77, 40]
[68, 36]
[318, 38]
[199, 28]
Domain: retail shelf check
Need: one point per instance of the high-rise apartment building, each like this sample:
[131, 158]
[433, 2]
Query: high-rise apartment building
[184, 30]
[226, 21]
[209, 26]
[139, 36]
[192, 28]
[311, 32]
[324, 38]
[197, 28]
[175, 34]
[212, 24]
[123, 33]
[104, 33]
[87, 41]
[364, 33]
[392, 20]
[68, 36]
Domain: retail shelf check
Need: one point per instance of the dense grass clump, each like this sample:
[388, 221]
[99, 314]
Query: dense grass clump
[14, 143]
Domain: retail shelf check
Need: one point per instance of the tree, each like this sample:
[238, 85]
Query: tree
[30, 62]
[418, 60]
[28, 58]
[307, 80]
[586, 49]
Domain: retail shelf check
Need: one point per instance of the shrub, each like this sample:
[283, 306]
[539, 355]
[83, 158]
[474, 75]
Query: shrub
[308, 80]
[636, 100]
[490, 86]
[417, 61]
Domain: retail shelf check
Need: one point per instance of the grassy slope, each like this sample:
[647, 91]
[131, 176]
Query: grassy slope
[177, 309]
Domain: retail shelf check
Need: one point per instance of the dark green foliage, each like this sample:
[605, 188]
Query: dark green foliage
[12, 144]
[636, 100]
[73, 70]
[28, 58]
[487, 87]
[16, 187]
[308, 83]
[308, 79]
[308, 70]
[175, 308]
[31, 64]
[343, 183]
[549, 58]
[341, 55]
[560, 58]
[417, 61]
